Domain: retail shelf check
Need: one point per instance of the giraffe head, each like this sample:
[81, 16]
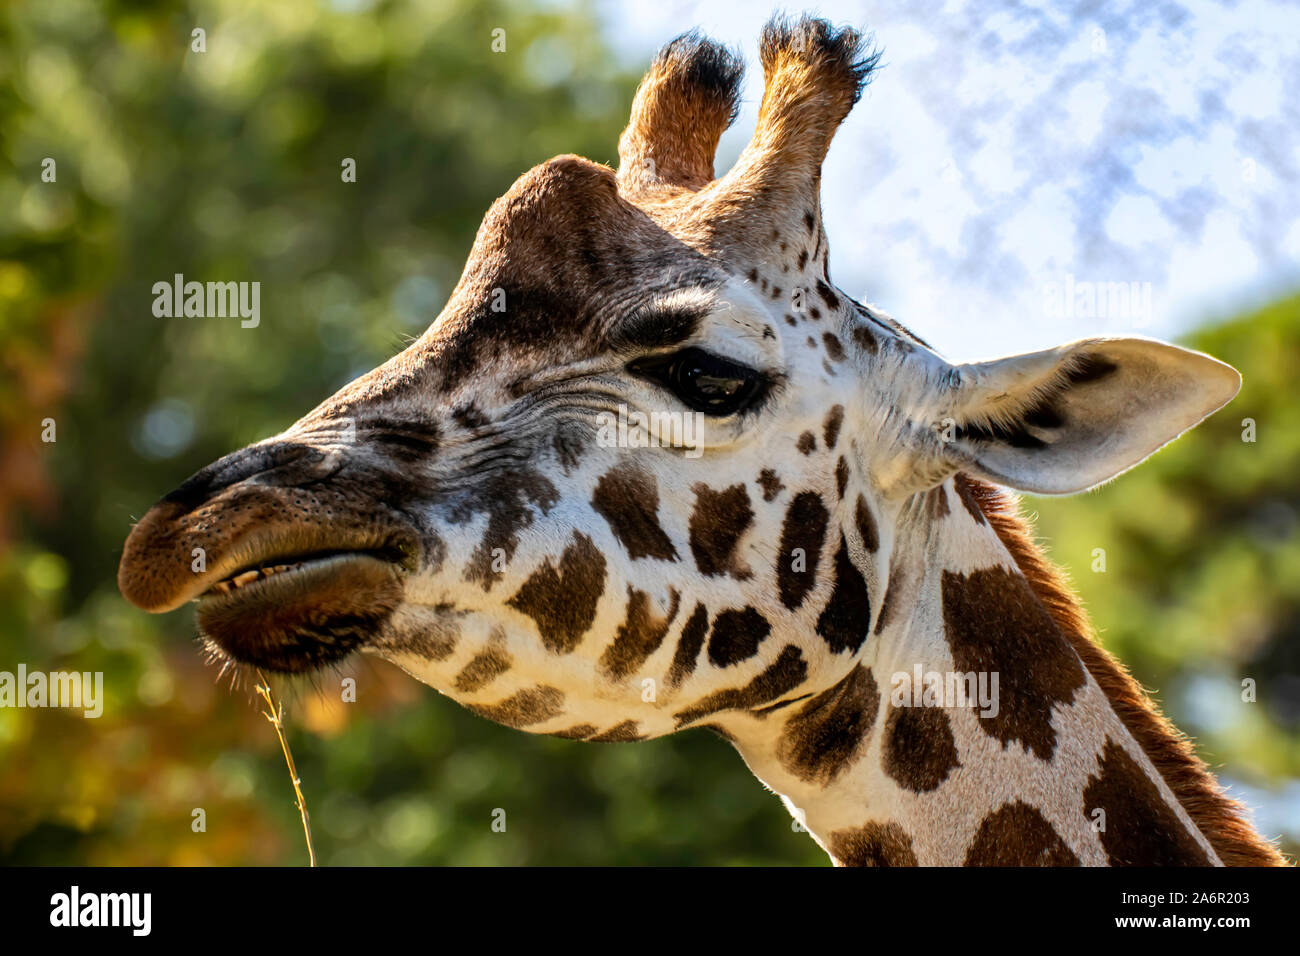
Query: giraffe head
[647, 465]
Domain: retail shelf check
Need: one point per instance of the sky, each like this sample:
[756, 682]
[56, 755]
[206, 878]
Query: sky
[1022, 174]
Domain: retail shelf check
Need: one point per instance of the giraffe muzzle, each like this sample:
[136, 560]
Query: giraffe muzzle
[291, 567]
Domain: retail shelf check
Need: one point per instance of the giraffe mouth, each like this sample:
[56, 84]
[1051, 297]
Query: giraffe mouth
[290, 571]
[263, 569]
[299, 613]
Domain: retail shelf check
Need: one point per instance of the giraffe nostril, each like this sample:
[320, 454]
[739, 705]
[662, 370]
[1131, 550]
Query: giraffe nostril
[256, 460]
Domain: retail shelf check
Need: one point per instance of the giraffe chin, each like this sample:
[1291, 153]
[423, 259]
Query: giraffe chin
[311, 615]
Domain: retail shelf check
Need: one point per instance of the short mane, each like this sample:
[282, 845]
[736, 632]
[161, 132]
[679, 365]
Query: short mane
[1222, 819]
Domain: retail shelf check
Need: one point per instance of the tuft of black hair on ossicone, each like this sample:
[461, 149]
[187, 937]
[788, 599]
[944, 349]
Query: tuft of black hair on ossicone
[847, 51]
[706, 67]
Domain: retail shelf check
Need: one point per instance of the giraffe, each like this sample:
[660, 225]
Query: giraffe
[842, 517]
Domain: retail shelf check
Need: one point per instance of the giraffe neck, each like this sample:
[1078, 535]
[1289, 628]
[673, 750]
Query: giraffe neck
[1036, 767]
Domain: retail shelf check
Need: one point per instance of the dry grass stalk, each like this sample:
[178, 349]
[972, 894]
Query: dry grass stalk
[275, 714]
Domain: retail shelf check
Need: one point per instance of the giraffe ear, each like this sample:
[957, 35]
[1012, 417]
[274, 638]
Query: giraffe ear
[1070, 418]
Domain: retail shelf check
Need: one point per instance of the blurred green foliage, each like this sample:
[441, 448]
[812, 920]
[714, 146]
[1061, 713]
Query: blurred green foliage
[226, 165]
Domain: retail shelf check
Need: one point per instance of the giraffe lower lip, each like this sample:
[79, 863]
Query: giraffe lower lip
[306, 615]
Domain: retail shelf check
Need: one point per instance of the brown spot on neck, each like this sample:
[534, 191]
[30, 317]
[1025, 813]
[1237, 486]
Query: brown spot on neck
[830, 731]
[846, 619]
[1139, 829]
[995, 623]
[1016, 834]
[872, 844]
[919, 751]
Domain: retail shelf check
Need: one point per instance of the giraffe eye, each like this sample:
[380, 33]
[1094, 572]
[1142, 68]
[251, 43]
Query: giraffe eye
[703, 381]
